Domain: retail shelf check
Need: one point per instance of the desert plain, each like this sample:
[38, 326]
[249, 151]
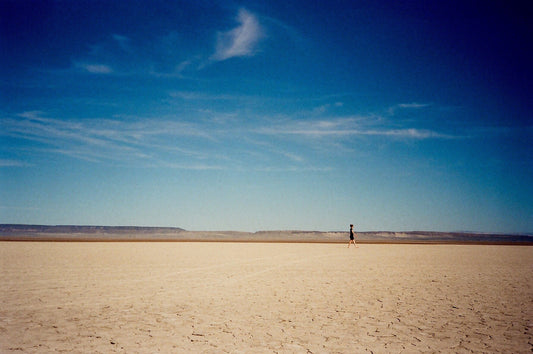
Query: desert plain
[231, 297]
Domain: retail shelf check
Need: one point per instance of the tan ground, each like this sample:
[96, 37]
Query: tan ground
[253, 297]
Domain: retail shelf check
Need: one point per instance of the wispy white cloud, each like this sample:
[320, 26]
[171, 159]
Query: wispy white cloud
[95, 68]
[164, 55]
[200, 96]
[292, 156]
[12, 163]
[327, 107]
[350, 126]
[410, 133]
[414, 105]
[267, 148]
[117, 54]
[320, 109]
[214, 141]
[123, 42]
[240, 41]
[155, 142]
[294, 169]
[193, 166]
[121, 140]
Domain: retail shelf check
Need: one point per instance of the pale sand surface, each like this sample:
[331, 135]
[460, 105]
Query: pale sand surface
[254, 297]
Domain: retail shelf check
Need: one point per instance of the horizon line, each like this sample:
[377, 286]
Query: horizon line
[3, 225]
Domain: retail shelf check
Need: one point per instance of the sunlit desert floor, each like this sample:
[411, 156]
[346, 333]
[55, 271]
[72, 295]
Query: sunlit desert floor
[264, 297]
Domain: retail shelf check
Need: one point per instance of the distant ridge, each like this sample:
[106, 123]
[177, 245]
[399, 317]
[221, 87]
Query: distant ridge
[83, 229]
[21, 232]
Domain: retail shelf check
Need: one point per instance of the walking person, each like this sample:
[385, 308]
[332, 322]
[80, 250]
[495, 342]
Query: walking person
[352, 237]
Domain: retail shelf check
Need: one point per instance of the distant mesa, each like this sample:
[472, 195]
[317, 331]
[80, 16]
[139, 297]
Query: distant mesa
[84, 229]
[84, 233]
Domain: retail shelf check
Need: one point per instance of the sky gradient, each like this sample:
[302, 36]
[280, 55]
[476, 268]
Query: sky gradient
[253, 115]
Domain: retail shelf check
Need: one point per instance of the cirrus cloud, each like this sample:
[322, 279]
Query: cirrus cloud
[240, 41]
[349, 126]
[95, 68]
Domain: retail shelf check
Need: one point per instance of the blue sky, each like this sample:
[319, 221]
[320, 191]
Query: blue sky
[254, 115]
